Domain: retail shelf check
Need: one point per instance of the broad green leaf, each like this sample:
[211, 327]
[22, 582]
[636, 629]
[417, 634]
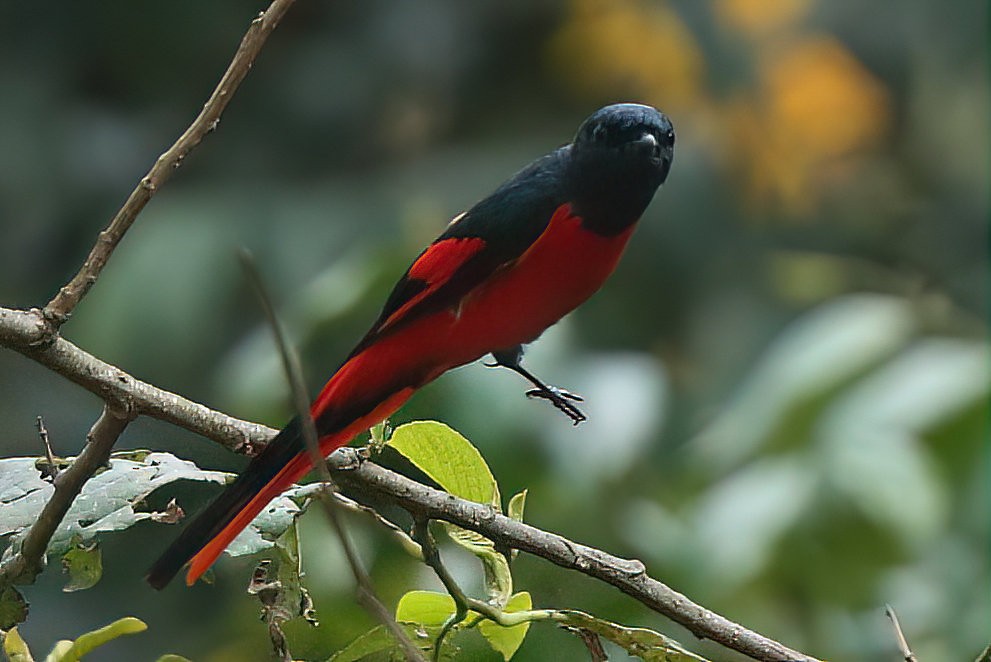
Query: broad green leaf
[648, 645]
[15, 648]
[84, 565]
[448, 459]
[506, 641]
[425, 608]
[13, 608]
[516, 505]
[91, 640]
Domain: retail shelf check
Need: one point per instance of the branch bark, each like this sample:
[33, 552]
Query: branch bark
[34, 333]
[627, 575]
[60, 308]
[24, 330]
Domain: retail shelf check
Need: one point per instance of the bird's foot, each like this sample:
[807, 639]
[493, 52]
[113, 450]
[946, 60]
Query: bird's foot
[562, 400]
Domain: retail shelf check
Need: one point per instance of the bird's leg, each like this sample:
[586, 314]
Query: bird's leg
[512, 358]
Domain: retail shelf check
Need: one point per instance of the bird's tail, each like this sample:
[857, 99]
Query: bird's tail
[279, 465]
[283, 462]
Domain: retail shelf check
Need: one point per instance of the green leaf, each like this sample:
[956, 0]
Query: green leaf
[379, 640]
[84, 565]
[15, 648]
[170, 657]
[516, 505]
[648, 645]
[498, 577]
[503, 640]
[13, 608]
[448, 459]
[376, 640]
[425, 608]
[88, 642]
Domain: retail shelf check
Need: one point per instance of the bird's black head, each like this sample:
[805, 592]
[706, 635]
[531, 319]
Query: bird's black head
[619, 157]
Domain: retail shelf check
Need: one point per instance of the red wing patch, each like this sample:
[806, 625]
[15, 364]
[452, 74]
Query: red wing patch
[435, 267]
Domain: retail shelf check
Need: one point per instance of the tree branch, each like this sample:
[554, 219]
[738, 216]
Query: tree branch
[24, 330]
[60, 308]
[29, 561]
[629, 576]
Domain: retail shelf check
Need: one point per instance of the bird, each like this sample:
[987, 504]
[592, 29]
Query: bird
[496, 278]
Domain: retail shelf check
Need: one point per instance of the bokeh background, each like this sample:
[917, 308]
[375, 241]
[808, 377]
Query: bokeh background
[787, 377]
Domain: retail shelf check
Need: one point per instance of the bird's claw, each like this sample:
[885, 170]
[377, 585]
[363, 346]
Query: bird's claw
[560, 399]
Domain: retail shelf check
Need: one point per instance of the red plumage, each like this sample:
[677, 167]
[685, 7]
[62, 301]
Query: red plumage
[501, 274]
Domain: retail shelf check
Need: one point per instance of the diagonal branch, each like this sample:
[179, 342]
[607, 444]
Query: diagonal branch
[29, 561]
[24, 330]
[60, 308]
[629, 576]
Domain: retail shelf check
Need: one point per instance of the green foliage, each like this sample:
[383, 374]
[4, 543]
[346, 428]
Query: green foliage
[16, 649]
[461, 467]
[84, 565]
[506, 640]
[108, 502]
[448, 459]
[774, 208]
[380, 640]
[13, 607]
[456, 465]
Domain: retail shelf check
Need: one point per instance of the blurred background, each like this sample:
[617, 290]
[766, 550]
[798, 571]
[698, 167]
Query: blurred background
[786, 379]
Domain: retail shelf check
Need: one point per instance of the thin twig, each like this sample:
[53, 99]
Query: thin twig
[294, 374]
[903, 648]
[29, 561]
[592, 642]
[409, 545]
[23, 331]
[431, 556]
[60, 308]
[52, 470]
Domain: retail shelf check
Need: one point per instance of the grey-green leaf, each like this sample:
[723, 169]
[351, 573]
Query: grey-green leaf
[106, 503]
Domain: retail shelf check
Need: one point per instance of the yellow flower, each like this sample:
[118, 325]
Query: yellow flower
[815, 105]
[624, 48]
